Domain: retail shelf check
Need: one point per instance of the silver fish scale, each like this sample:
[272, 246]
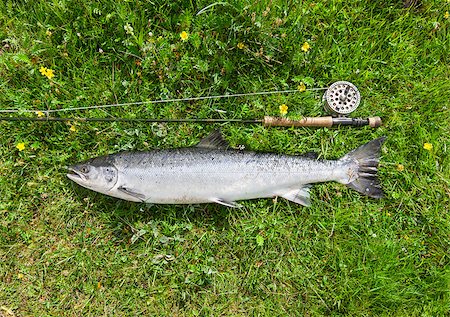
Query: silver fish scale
[207, 161]
[195, 175]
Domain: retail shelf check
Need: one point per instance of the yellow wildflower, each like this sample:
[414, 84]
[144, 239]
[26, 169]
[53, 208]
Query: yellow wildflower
[43, 70]
[47, 72]
[20, 146]
[428, 146]
[283, 109]
[40, 114]
[301, 87]
[240, 45]
[19, 276]
[50, 73]
[446, 15]
[400, 167]
[72, 128]
[184, 36]
[48, 33]
[306, 47]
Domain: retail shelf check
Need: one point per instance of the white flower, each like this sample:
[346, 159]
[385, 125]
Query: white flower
[128, 29]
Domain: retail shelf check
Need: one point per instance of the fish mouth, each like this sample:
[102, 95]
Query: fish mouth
[75, 175]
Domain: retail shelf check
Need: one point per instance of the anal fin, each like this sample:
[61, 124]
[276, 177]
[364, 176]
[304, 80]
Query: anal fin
[231, 204]
[299, 196]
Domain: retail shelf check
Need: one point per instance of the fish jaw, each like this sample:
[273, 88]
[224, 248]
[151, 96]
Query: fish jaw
[76, 176]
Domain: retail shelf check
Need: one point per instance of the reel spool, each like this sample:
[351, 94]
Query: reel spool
[341, 98]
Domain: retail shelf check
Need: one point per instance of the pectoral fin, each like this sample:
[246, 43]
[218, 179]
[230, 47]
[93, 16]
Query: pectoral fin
[299, 196]
[131, 193]
[231, 204]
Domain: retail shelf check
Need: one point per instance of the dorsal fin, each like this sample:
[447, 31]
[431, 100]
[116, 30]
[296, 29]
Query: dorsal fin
[214, 140]
[311, 155]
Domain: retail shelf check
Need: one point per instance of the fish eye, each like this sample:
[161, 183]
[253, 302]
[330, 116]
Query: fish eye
[84, 169]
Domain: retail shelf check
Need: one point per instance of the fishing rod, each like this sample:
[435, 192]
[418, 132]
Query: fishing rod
[267, 121]
[341, 99]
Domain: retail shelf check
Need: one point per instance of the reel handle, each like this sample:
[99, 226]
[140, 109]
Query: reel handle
[373, 122]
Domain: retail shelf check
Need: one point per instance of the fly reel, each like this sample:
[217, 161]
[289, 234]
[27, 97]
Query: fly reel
[342, 98]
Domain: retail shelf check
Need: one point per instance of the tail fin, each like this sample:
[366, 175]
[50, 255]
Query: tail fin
[366, 157]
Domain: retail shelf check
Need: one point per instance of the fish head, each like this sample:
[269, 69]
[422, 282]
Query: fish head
[97, 174]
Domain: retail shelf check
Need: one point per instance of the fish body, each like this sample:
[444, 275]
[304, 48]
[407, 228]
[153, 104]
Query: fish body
[210, 172]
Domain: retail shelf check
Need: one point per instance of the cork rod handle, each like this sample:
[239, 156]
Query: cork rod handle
[304, 122]
[373, 122]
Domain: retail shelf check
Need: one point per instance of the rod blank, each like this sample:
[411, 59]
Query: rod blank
[75, 119]
[267, 121]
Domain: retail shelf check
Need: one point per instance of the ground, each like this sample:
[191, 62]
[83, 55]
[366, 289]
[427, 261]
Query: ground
[67, 251]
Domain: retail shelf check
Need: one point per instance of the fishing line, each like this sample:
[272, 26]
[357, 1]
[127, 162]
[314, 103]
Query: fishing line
[161, 101]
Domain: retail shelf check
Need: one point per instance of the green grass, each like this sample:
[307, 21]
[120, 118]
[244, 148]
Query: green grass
[66, 251]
